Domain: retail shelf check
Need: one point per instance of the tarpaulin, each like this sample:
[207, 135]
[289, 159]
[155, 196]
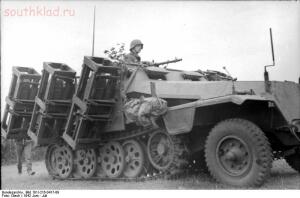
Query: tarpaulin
[144, 111]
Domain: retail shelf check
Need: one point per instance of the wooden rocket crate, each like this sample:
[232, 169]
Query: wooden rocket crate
[20, 102]
[57, 83]
[46, 128]
[24, 84]
[93, 102]
[53, 103]
[14, 125]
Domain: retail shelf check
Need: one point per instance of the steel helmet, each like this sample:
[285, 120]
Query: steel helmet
[135, 43]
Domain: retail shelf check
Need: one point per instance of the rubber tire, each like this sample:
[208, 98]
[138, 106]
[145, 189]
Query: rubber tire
[258, 145]
[294, 161]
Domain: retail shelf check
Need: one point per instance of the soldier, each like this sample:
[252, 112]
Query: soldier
[135, 48]
[24, 145]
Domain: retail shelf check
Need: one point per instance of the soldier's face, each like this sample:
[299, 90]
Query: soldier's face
[138, 48]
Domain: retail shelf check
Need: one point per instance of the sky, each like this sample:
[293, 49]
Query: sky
[206, 34]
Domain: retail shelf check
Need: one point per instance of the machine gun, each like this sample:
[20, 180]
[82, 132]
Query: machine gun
[165, 62]
[151, 64]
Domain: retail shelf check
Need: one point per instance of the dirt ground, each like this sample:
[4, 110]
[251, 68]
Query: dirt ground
[282, 177]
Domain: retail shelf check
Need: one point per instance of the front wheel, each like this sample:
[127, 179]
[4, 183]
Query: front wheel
[238, 153]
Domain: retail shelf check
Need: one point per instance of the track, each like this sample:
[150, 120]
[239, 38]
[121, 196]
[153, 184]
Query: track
[129, 156]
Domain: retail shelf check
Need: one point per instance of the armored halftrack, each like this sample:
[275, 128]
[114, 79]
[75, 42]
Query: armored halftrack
[128, 121]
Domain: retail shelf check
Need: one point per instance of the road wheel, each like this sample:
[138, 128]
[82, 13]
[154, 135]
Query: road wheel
[134, 158]
[51, 159]
[112, 161]
[64, 161]
[85, 162]
[238, 153]
[294, 161]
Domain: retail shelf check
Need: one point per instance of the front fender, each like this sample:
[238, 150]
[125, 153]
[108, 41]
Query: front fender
[180, 119]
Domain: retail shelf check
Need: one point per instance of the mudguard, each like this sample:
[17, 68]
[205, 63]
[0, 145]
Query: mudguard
[179, 119]
[285, 96]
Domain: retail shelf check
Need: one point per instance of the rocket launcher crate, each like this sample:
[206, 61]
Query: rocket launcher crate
[20, 102]
[52, 103]
[93, 102]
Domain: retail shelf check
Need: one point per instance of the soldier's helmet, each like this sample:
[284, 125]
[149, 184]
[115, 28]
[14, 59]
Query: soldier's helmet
[135, 43]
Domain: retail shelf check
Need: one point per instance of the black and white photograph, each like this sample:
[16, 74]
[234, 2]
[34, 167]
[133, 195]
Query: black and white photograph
[149, 95]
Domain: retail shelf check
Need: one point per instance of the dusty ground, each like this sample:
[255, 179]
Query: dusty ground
[282, 177]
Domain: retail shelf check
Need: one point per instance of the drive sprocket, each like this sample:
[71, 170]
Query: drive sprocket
[167, 153]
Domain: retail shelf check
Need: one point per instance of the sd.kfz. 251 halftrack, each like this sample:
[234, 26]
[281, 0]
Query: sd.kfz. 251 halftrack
[127, 121]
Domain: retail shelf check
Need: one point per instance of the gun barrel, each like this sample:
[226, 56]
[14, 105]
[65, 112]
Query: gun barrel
[152, 64]
[167, 62]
